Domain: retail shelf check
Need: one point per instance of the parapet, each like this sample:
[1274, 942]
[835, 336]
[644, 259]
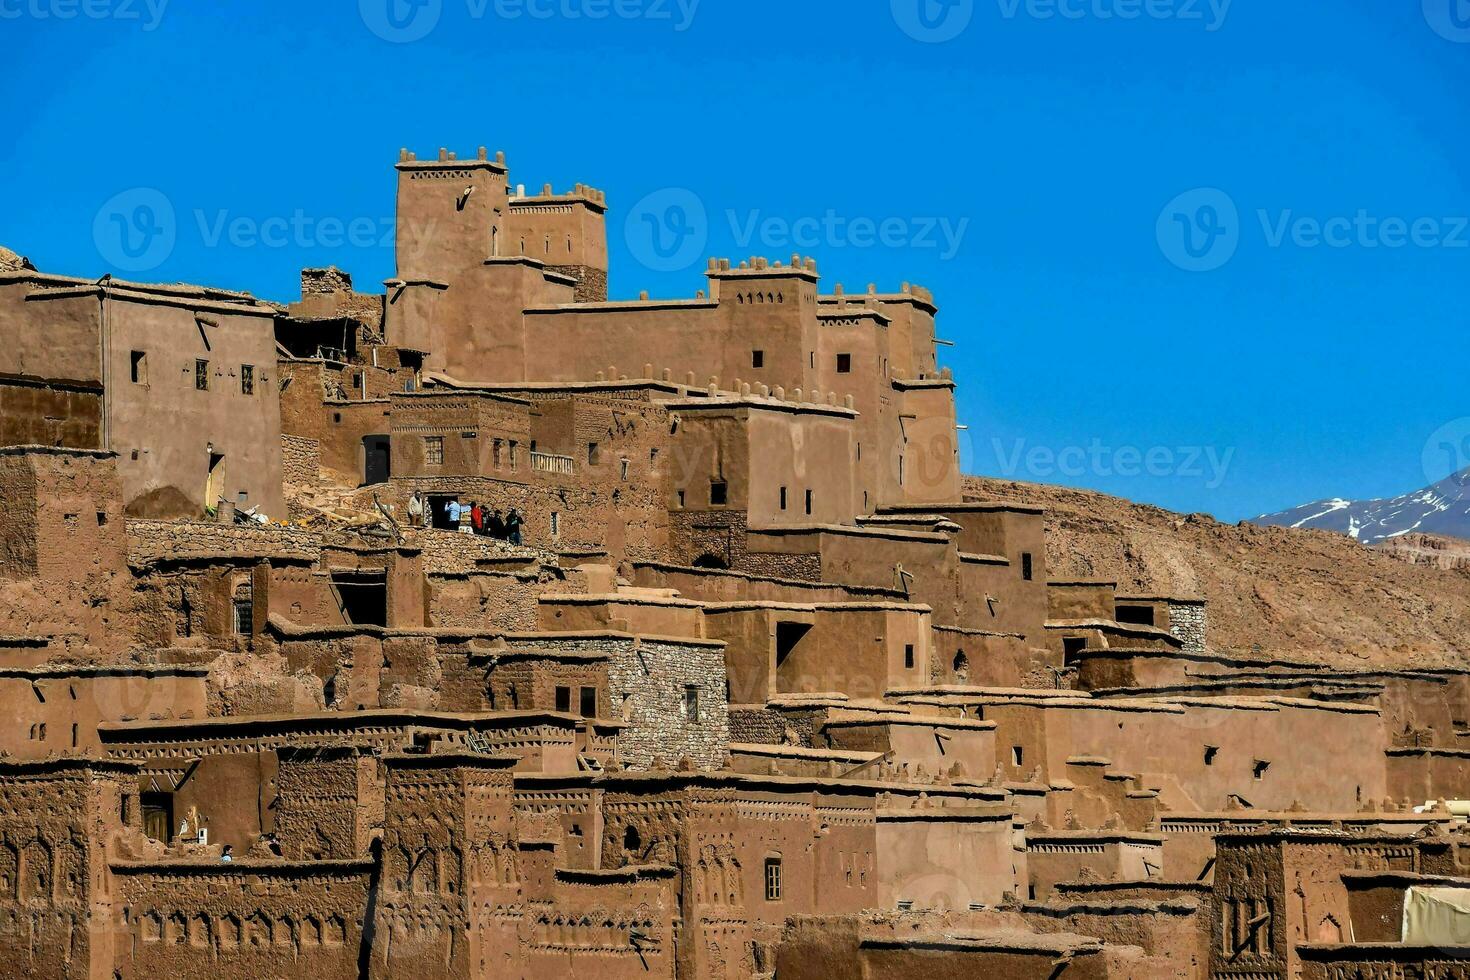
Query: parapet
[761, 268]
[907, 293]
[451, 161]
[579, 194]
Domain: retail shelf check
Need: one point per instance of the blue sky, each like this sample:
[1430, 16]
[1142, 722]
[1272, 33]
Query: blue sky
[1212, 257]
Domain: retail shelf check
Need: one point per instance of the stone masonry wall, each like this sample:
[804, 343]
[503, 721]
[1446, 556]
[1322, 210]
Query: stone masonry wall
[153, 541]
[1190, 623]
[301, 459]
[650, 680]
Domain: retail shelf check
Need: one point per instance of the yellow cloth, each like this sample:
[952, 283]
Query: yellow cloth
[1437, 916]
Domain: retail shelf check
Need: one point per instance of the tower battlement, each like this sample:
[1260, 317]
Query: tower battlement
[579, 194]
[449, 160]
[761, 267]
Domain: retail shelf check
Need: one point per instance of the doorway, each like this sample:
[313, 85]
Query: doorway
[214, 483]
[376, 460]
[439, 513]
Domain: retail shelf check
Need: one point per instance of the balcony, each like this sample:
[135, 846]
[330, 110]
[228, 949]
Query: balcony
[549, 463]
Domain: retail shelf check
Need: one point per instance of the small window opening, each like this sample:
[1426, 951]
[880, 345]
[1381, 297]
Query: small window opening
[719, 492]
[138, 367]
[773, 879]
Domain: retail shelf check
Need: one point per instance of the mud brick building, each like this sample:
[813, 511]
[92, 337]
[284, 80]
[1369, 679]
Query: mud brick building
[757, 691]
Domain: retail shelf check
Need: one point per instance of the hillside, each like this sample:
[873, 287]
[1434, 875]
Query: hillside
[1309, 595]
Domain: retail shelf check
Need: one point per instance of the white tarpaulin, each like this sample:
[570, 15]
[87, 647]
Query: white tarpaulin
[1437, 916]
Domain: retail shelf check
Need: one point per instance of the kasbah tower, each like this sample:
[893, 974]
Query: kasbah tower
[481, 625]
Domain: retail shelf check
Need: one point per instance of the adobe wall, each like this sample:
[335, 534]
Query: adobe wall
[314, 406]
[1087, 855]
[582, 923]
[239, 920]
[62, 564]
[758, 450]
[55, 910]
[43, 412]
[164, 469]
[56, 710]
[1168, 743]
[947, 859]
[1423, 774]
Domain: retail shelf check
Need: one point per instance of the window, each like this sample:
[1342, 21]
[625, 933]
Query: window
[555, 523]
[513, 463]
[783, 498]
[434, 450]
[138, 367]
[1259, 769]
[681, 499]
[1071, 647]
[593, 454]
[495, 452]
[201, 374]
[1026, 571]
[247, 379]
[773, 879]
[719, 492]
[757, 358]
[357, 379]
[808, 501]
[1018, 755]
[564, 699]
[844, 363]
[908, 656]
[244, 615]
[1136, 615]
[691, 703]
[589, 702]
[623, 469]
[1210, 752]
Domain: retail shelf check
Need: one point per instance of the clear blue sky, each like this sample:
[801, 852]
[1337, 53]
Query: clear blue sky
[1048, 139]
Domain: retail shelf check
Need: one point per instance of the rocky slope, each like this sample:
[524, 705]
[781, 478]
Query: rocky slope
[1305, 594]
[1442, 509]
[1428, 549]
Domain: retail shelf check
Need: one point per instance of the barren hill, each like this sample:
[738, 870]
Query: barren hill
[1308, 595]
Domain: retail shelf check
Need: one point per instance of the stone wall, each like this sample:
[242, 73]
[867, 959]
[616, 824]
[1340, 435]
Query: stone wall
[651, 680]
[591, 283]
[647, 683]
[1190, 623]
[301, 460]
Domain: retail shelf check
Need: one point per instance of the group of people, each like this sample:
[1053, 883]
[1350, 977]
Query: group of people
[470, 518]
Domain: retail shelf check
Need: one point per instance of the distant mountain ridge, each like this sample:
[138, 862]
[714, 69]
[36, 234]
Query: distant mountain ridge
[1440, 509]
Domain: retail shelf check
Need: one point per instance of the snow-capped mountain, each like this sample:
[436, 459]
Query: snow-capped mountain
[1442, 509]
